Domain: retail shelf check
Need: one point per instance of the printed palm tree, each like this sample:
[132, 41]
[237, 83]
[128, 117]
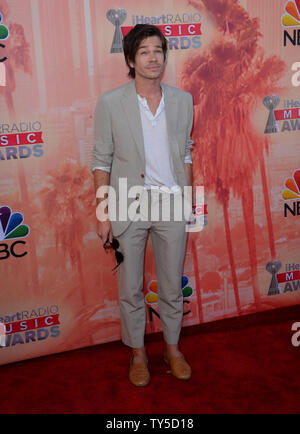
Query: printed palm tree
[197, 278]
[227, 80]
[67, 202]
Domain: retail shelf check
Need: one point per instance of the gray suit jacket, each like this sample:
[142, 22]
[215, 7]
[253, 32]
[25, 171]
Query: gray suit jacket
[119, 139]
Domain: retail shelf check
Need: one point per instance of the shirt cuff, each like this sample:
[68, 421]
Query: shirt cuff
[105, 168]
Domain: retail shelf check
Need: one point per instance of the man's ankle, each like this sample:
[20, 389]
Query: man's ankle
[172, 351]
[139, 355]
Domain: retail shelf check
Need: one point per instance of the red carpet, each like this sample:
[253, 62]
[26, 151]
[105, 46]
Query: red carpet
[240, 365]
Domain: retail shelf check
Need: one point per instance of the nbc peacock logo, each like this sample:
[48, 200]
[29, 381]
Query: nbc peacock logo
[4, 32]
[291, 18]
[292, 193]
[12, 228]
[152, 291]
[290, 21]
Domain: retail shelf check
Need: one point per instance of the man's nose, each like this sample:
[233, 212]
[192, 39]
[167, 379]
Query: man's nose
[153, 56]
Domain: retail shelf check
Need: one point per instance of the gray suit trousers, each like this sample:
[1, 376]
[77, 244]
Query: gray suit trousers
[169, 243]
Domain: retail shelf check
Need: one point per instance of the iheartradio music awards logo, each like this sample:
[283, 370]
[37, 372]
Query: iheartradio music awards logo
[290, 279]
[12, 228]
[29, 326]
[183, 31]
[290, 193]
[289, 115]
[22, 140]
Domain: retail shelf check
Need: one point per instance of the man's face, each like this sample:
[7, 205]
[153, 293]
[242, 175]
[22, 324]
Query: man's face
[149, 59]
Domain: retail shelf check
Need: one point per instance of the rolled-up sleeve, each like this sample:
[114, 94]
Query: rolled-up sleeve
[103, 145]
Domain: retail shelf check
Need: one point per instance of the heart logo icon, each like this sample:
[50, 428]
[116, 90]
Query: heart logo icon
[116, 17]
[271, 101]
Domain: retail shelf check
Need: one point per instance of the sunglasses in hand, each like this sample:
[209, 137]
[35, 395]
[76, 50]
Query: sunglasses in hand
[114, 245]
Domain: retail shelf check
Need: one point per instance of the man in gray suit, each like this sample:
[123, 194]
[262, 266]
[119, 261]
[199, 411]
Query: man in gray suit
[142, 138]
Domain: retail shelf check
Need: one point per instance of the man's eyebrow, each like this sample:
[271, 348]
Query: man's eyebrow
[147, 46]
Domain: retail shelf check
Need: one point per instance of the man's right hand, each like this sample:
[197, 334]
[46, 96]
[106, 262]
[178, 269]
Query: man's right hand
[104, 231]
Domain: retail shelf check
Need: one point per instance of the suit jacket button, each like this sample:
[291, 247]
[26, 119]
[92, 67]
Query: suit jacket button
[137, 197]
[142, 175]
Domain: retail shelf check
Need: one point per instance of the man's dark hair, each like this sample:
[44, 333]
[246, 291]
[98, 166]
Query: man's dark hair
[133, 39]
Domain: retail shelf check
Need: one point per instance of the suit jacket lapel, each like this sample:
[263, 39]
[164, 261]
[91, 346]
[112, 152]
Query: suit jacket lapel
[171, 111]
[130, 105]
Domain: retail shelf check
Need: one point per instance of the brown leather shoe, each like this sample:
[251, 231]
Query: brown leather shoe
[179, 367]
[139, 374]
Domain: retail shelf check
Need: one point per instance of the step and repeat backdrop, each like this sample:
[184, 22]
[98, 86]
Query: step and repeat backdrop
[240, 61]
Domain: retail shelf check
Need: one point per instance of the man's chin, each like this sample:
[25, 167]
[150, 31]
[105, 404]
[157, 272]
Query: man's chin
[153, 75]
